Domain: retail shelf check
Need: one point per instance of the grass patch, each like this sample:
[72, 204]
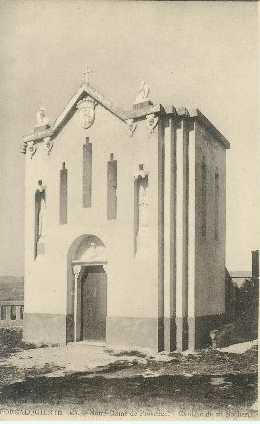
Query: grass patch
[126, 353]
[11, 342]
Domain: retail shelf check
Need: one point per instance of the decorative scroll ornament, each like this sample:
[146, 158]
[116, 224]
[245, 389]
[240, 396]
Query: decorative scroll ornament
[31, 148]
[131, 126]
[86, 108]
[23, 147]
[105, 267]
[48, 144]
[141, 173]
[76, 270]
[151, 122]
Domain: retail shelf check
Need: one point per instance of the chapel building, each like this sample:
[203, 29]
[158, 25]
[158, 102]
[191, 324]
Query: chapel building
[125, 225]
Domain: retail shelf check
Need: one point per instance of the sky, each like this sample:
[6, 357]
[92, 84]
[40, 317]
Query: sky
[192, 54]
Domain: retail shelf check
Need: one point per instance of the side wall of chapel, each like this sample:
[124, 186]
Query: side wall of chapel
[210, 235]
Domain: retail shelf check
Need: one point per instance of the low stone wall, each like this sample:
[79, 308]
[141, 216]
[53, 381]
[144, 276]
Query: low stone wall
[11, 313]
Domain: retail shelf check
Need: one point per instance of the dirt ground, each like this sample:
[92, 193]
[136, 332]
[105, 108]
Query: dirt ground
[78, 378]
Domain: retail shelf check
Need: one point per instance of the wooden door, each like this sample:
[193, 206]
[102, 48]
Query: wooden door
[94, 304]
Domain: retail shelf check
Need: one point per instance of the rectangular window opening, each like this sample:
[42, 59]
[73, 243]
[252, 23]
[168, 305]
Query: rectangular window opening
[87, 174]
[111, 188]
[63, 194]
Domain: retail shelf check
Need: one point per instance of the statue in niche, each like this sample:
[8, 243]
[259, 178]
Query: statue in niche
[42, 119]
[143, 202]
[42, 213]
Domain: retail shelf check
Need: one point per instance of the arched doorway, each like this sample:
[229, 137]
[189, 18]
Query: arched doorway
[87, 290]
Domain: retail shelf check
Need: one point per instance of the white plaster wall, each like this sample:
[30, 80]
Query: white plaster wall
[132, 282]
[209, 253]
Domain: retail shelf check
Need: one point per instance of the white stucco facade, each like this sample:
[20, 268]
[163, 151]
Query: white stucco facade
[162, 296]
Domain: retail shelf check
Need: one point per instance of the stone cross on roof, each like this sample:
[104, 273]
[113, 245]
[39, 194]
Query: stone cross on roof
[86, 73]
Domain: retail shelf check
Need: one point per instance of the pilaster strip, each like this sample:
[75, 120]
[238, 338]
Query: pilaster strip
[161, 235]
[169, 235]
[191, 241]
[185, 217]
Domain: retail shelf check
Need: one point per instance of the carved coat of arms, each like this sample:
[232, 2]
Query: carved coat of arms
[86, 108]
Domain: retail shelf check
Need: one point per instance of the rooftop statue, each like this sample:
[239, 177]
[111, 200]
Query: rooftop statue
[143, 93]
[41, 118]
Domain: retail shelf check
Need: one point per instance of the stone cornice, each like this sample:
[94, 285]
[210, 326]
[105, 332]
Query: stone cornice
[197, 115]
[134, 114]
[142, 113]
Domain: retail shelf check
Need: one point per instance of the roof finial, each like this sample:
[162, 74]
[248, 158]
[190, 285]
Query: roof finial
[86, 73]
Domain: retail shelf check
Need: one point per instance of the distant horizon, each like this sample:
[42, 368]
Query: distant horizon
[12, 276]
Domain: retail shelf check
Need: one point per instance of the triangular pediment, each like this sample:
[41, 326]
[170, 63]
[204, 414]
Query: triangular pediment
[84, 91]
